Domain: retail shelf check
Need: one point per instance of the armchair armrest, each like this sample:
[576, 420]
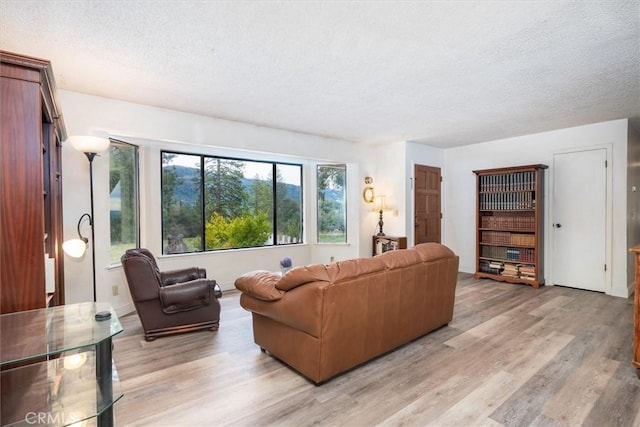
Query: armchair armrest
[186, 296]
[183, 275]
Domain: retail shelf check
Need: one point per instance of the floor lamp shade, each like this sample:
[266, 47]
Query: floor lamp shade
[89, 144]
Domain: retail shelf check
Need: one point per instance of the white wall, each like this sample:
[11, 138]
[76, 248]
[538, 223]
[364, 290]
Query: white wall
[459, 185]
[154, 129]
[391, 167]
[389, 180]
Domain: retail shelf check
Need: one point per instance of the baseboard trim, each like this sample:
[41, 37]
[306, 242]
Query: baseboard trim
[125, 309]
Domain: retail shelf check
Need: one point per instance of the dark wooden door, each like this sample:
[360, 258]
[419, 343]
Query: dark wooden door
[427, 196]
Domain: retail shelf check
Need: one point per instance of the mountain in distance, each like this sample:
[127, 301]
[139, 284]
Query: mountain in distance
[188, 193]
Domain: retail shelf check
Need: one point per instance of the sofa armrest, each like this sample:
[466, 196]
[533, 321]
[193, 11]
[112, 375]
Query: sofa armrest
[183, 275]
[186, 296]
[301, 275]
[299, 308]
[260, 284]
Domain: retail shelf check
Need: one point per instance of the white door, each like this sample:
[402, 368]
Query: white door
[579, 219]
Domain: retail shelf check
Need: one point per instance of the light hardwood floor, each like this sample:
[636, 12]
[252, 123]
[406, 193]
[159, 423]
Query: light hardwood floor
[512, 356]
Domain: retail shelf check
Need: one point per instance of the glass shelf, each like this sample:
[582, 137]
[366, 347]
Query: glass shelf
[57, 367]
[34, 334]
[58, 392]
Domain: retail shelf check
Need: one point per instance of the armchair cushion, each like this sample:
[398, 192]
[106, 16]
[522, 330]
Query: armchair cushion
[185, 296]
[184, 275]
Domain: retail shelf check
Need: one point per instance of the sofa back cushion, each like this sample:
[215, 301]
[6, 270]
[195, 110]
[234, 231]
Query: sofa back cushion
[353, 268]
[332, 273]
[399, 258]
[433, 251]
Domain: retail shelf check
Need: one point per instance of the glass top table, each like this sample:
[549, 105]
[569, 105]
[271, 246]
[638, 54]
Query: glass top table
[57, 366]
[34, 334]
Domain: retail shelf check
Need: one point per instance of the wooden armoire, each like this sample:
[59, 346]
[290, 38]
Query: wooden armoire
[31, 257]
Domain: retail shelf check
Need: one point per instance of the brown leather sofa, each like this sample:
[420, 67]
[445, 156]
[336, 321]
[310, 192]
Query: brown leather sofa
[325, 319]
[171, 301]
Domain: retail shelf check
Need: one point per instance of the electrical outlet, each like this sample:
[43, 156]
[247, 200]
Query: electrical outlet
[114, 290]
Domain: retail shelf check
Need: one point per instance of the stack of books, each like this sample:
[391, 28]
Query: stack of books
[510, 270]
[496, 266]
[383, 245]
[528, 272]
[493, 267]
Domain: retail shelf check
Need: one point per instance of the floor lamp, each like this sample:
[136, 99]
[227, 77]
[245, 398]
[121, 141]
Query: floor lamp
[90, 146]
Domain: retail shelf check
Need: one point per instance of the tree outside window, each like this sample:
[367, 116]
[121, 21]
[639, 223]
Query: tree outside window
[213, 203]
[332, 203]
[123, 198]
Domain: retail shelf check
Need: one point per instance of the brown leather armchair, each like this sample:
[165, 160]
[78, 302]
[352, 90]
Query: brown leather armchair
[171, 301]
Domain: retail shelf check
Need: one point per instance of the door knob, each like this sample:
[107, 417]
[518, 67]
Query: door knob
[557, 225]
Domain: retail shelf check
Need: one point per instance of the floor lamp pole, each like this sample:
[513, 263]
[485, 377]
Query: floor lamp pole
[91, 156]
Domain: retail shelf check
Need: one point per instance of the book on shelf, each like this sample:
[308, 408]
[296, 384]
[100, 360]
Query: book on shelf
[523, 200]
[516, 181]
[492, 267]
[510, 270]
[523, 223]
[384, 245]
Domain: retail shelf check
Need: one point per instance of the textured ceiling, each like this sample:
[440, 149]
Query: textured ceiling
[439, 73]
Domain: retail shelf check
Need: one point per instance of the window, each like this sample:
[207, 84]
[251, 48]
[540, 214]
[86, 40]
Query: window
[211, 203]
[332, 204]
[123, 198]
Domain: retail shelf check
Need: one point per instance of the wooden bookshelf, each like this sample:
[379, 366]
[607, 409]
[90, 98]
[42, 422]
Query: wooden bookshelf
[382, 244]
[510, 224]
[32, 130]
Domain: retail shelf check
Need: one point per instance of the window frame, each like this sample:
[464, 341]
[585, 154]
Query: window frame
[136, 191]
[202, 158]
[342, 166]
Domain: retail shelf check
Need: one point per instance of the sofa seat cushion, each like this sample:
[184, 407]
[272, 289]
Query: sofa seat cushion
[260, 284]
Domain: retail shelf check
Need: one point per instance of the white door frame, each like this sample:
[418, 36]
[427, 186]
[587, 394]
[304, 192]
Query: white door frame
[608, 214]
